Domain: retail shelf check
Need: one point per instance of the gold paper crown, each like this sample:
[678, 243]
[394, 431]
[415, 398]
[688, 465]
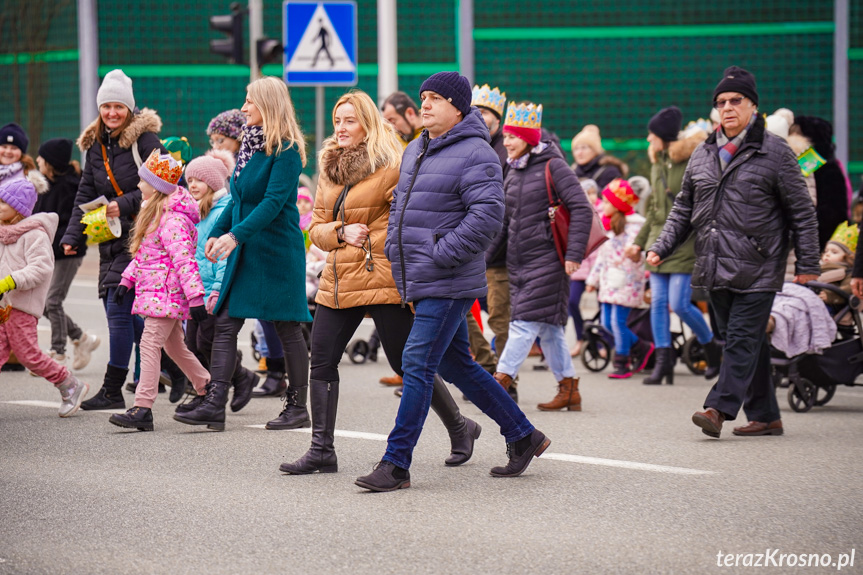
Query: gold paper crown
[164, 167]
[524, 116]
[846, 235]
[488, 98]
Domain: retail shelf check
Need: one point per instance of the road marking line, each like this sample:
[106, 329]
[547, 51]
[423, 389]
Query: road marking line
[51, 404]
[548, 455]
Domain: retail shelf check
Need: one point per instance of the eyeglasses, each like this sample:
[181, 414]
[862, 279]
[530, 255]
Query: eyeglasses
[719, 104]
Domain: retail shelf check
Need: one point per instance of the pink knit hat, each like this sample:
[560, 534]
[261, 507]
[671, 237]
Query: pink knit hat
[303, 193]
[213, 168]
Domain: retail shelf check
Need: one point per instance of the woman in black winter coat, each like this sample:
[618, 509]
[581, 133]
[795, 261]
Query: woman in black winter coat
[114, 144]
[539, 282]
[64, 176]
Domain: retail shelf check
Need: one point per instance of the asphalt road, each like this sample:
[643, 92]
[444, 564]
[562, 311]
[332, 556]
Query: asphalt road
[629, 485]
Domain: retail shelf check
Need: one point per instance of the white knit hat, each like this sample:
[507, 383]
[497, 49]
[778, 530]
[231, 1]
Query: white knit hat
[116, 87]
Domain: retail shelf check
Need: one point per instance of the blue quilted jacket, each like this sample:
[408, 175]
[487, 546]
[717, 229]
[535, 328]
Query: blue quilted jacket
[447, 207]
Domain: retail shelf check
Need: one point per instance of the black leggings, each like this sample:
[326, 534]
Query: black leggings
[223, 358]
[333, 329]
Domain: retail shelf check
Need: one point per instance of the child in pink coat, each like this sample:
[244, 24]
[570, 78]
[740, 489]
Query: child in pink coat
[26, 266]
[168, 287]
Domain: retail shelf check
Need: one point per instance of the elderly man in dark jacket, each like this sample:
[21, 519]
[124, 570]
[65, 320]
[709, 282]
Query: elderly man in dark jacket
[446, 209]
[743, 196]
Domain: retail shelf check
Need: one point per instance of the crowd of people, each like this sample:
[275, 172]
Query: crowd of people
[420, 211]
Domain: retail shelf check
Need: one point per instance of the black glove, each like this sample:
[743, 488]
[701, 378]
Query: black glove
[120, 294]
[199, 313]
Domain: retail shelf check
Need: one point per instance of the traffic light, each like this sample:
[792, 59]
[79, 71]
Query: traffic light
[231, 25]
[270, 51]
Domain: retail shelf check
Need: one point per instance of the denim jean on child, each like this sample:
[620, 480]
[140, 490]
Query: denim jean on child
[438, 342]
[674, 289]
[124, 329]
[614, 320]
[522, 334]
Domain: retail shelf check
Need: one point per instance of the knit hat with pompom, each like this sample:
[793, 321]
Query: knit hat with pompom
[213, 168]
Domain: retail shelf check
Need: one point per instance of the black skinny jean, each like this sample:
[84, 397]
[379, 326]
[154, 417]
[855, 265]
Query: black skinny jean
[333, 329]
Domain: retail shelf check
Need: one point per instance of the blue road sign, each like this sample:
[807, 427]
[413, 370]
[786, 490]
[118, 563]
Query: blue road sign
[320, 40]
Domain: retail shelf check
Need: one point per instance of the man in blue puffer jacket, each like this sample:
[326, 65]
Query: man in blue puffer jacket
[446, 209]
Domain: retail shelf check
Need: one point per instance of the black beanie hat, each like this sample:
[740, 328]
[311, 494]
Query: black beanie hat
[666, 123]
[57, 152]
[15, 135]
[736, 79]
[452, 86]
[820, 133]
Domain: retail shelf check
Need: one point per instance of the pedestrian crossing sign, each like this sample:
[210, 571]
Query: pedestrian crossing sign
[320, 40]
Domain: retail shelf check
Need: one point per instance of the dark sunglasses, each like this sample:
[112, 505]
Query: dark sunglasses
[719, 104]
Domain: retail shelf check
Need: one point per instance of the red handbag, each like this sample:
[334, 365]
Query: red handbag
[558, 215]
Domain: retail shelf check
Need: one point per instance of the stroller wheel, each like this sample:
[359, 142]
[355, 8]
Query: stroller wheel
[694, 356]
[255, 353]
[596, 353]
[801, 395]
[824, 394]
[358, 351]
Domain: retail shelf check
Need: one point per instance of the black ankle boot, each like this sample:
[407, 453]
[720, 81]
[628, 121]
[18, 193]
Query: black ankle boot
[713, 351]
[140, 418]
[295, 414]
[243, 382]
[663, 369]
[275, 383]
[176, 379]
[110, 396]
[211, 411]
[462, 431]
[190, 405]
[520, 453]
[321, 456]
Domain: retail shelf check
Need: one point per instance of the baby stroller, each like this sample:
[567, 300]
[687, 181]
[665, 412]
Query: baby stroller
[812, 379]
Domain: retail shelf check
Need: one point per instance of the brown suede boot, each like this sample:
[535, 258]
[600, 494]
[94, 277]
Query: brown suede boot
[567, 396]
[503, 379]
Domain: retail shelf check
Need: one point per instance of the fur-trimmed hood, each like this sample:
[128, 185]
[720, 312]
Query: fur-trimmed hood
[799, 143]
[606, 160]
[39, 181]
[146, 120]
[681, 150]
[346, 166]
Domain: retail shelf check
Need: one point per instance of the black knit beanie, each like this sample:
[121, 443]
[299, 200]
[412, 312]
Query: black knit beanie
[736, 79]
[666, 123]
[57, 152]
[452, 86]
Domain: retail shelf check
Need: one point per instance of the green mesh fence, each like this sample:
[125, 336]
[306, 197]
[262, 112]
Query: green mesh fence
[612, 63]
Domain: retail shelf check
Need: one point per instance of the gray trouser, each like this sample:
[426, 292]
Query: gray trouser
[62, 325]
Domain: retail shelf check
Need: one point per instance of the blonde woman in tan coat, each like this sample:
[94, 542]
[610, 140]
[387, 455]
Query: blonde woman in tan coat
[359, 170]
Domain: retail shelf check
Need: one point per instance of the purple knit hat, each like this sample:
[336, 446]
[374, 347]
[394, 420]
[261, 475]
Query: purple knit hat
[20, 194]
[229, 123]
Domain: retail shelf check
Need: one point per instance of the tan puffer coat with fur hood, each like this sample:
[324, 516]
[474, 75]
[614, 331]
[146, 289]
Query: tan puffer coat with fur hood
[346, 282]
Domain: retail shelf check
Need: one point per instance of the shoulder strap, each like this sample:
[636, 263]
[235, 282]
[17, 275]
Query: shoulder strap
[553, 199]
[108, 169]
[598, 173]
[136, 153]
[339, 207]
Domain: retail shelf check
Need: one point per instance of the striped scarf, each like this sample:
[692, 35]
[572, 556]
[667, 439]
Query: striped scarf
[727, 148]
[253, 141]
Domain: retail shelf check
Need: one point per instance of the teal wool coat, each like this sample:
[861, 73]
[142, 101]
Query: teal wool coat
[265, 275]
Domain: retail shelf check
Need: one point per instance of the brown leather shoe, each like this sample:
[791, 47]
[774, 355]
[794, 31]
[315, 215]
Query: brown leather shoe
[393, 381]
[759, 428]
[710, 421]
[567, 396]
[503, 379]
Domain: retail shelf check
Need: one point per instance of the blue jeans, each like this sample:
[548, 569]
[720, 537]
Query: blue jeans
[438, 342]
[522, 334]
[614, 320]
[674, 289]
[270, 346]
[124, 329]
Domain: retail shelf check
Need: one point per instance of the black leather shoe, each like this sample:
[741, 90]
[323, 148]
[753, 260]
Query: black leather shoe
[191, 405]
[139, 418]
[211, 411]
[244, 383]
[274, 385]
[520, 454]
[462, 444]
[294, 415]
[385, 477]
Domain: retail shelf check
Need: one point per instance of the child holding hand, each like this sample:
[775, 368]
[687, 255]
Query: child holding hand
[26, 266]
[168, 285]
[620, 280]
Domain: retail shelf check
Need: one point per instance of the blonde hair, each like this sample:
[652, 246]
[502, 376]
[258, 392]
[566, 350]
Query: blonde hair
[382, 143]
[270, 95]
[148, 220]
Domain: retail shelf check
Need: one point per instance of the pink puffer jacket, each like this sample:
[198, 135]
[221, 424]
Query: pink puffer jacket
[164, 271]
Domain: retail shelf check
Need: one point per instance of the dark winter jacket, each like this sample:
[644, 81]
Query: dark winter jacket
[602, 169]
[495, 255]
[497, 144]
[60, 200]
[114, 254]
[832, 203]
[743, 218]
[447, 208]
[539, 286]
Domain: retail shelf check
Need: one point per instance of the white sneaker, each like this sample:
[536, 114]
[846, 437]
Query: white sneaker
[58, 357]
[72, 392]
[82, 350]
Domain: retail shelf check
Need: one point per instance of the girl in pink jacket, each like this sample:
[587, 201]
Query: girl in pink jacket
[26, 266]
[168, 287]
